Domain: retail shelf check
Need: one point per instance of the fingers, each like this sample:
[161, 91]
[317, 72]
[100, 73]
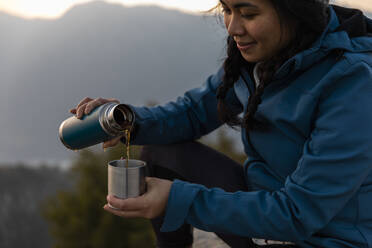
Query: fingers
[130, 204]
[93, 104]
[112, 142]
[149, 180]
[149, 205]
[113, 100]
[82, 102]
[80, 111]
[125, 214]
[88, 104]
[80, 108]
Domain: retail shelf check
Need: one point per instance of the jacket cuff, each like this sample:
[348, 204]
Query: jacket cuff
[180, 198]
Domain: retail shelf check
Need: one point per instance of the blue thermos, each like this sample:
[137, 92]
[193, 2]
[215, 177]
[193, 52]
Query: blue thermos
[103, 123]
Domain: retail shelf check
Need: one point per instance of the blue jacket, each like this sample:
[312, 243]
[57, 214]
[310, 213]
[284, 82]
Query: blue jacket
[311, 170]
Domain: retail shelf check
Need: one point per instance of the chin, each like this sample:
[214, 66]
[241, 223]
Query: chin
[254, 57]
[251, 59]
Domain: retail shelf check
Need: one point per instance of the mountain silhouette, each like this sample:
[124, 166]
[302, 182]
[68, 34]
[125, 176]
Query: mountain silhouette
[98, 49]
[136, 55]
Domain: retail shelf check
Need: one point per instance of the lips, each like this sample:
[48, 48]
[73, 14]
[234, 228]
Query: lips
[245, 45]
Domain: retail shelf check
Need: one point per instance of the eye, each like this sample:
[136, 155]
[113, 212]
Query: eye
[226, 10]
[248, 16]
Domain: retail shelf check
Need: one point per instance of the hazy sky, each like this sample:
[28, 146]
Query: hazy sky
[54, 8]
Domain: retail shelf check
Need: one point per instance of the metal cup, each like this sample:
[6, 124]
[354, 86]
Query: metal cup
[125, 182]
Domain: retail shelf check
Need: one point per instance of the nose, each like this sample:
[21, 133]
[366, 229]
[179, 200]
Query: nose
[235, 26]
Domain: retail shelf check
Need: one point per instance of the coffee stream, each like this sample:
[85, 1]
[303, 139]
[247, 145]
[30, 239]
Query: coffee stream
[127, 137]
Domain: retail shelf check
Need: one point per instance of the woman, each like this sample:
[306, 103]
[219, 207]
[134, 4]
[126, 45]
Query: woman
[300, 71]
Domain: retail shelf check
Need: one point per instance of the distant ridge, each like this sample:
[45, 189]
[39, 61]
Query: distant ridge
[135, 54]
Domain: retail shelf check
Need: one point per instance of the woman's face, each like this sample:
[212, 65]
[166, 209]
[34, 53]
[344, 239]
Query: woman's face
[255, 27]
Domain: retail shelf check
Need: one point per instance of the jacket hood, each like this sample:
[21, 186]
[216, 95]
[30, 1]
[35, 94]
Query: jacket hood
[353, 22]
[348, 30]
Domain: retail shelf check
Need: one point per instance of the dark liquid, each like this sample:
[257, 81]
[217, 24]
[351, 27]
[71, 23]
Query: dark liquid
[127, 137]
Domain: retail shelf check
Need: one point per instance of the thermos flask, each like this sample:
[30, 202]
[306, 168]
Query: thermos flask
[102, 124]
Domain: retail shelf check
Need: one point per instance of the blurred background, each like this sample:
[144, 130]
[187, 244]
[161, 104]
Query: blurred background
[55, 53]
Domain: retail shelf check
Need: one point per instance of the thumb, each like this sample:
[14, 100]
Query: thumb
[150, 182]
[149, 179]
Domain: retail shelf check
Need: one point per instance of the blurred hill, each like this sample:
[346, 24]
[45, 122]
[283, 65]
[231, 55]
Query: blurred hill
[22, 192]
[137, 55]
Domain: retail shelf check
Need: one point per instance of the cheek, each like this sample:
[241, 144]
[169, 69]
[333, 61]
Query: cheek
[266, 33]
[256, 31]
[226, 20]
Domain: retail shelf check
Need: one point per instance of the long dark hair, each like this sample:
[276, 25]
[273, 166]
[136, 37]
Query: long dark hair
[305, 20]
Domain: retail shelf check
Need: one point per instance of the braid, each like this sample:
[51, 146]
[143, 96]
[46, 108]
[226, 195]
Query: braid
[266, 72]
[232, 66]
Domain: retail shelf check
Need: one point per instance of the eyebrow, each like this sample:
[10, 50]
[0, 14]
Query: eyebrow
[240, 5]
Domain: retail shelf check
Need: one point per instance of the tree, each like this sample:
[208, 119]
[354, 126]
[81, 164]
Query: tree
[76, 217]
[22, 191]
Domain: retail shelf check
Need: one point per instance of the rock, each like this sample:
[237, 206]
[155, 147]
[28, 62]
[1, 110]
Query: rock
[204, 239]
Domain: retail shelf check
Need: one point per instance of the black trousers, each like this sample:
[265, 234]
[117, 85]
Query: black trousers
[195, 163]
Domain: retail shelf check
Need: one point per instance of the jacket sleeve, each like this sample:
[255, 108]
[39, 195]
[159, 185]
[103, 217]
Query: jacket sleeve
[188, 118]
[336, 160]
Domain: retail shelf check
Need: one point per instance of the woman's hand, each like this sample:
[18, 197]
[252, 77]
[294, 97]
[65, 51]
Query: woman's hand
[86, 106]
[149, 205]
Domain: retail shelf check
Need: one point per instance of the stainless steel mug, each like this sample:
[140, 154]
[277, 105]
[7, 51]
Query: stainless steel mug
[103, 123]
[125, 182]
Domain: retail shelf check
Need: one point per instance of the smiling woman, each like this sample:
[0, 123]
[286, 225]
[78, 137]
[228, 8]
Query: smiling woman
[296, 80]
[255, 28]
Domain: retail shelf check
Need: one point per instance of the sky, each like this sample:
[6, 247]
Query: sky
[56, 8]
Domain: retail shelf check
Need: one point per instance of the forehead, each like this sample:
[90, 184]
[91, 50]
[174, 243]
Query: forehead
[244, 3]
